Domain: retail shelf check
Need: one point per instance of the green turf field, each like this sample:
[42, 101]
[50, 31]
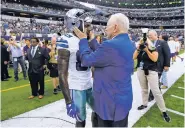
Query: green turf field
[15, 102]
[153, 117]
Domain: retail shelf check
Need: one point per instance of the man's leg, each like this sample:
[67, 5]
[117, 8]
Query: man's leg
[153, 83]
[90, 102]
[151, 96]
[2, 71]
[104, 123]
[144, 88]
[6, 71]
[34, 83]
[121, 123]
[79, 99]
[15, 67]
[21, 61]
[41, 83]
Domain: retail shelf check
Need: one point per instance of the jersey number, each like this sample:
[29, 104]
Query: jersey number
[68, 35]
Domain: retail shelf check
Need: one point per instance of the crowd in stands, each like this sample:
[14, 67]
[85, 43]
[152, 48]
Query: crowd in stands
[17, 26]
[129, 13]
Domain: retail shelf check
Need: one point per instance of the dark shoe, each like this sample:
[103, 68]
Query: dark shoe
[182, 59]
[80, 124]
[55, 91]
[4, 80]
[58, 88]
[142, 107]
[150, 98]
[16, 80]
[94, 119]
[166, 117]
[9, 77]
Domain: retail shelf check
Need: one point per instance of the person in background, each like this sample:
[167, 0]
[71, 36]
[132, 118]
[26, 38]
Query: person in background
[99, 39]
[133, 43]
[178, 47]
[147, 73]
[37, 58]
[172, 46]
[45, 45]
[53, 68]
[8, 59]
[4, 60]
[25, 49]
[163, 62]
[17, 56]
[163, 79]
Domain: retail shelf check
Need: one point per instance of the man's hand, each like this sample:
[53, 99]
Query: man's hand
[5, 62]
[72, 111]
[166, 68]
[79, 34]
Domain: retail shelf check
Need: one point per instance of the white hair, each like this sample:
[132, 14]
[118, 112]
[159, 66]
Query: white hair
[122, 20]
[153, 31]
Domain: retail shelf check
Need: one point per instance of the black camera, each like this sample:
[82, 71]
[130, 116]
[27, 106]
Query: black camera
[144, 44]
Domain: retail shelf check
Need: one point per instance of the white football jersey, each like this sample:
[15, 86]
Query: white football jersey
[172, 46]
[77, 80]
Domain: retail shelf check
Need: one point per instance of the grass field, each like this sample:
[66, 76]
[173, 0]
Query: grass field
[153, 117]
[15, 102]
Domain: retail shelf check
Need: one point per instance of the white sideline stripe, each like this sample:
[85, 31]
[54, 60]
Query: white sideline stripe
[181, 87]
[176, 112]
[178, 97]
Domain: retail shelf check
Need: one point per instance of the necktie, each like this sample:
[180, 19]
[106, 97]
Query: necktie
[33, 51]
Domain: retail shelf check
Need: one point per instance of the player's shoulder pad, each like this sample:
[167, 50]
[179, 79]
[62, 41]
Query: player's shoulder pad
[62, 43]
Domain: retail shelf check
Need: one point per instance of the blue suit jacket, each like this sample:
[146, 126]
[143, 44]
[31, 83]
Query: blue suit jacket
[112, 87]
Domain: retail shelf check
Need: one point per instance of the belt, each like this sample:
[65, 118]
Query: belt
[17, 57]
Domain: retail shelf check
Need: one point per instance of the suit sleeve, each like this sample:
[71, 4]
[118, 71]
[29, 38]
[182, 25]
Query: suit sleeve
[93, 44]
[166, 53]
[63, 64]
[99, 58]
[46, 56]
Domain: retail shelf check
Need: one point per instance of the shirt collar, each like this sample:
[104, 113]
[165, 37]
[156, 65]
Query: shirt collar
[155, 42]
[120, 35]
[35, 46]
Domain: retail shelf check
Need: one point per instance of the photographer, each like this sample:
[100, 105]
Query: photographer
[147, 57]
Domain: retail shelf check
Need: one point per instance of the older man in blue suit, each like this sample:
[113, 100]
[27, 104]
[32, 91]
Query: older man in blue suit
[112, 87]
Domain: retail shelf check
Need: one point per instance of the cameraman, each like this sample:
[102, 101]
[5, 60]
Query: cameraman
[147, 57]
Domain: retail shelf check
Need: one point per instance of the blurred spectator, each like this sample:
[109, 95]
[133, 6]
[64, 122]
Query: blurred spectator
[4, 61]
[53, 67]
[17, 56]
[172, 46]
[25, 51]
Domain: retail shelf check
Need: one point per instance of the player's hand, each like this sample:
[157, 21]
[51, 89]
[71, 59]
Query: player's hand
[72, 111]
[79, 34]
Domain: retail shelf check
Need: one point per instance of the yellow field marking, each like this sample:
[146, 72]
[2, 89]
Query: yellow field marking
[5, 90]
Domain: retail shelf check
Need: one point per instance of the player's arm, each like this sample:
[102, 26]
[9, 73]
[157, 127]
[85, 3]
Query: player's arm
[63, 64]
